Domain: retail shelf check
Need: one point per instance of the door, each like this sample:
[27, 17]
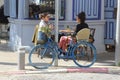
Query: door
[110, 26]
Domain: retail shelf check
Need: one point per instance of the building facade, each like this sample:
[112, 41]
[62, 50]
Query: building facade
[98, 14]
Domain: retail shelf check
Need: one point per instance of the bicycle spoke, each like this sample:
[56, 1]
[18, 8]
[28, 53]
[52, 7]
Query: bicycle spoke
[84, 54]
[41, 57]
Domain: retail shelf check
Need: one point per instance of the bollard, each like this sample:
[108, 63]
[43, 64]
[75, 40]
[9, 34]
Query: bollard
[21, 60]
[21, 56]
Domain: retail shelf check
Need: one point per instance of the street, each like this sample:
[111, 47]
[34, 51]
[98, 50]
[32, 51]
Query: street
[63, 76]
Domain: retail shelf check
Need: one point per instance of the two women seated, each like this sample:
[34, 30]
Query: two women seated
[64, 40]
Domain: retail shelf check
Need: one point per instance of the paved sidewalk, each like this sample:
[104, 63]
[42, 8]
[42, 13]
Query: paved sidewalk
[8, 63]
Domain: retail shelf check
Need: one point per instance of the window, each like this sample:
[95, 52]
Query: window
[40, 6]
[11, 8]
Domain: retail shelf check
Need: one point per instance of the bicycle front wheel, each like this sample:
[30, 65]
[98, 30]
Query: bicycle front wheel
[84, 54]
[41, 57]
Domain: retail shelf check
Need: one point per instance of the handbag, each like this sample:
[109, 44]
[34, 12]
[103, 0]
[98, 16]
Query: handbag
[42, 38]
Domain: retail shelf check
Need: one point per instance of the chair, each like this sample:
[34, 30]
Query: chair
[86, 34]
[83, 34]
[92, 33]
[35, 34]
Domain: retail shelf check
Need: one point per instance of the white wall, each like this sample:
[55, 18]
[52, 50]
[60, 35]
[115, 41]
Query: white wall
[99, 34]
[21, 32]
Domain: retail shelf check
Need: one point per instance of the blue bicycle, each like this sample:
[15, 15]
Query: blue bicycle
[83, 53]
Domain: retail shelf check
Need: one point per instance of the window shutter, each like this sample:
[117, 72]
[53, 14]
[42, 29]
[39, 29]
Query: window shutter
[92, 8]
[6, 8]
[23, 9]
[13, 7]
[26, 9]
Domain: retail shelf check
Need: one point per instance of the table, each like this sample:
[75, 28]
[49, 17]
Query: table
[66, 31]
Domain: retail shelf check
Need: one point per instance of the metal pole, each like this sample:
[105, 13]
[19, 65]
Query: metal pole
[56, 18]
[117, 51]
[56, 27]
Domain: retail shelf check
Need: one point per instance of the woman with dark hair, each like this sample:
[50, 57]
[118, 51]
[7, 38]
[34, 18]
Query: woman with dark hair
[65, 40]
[81, 17]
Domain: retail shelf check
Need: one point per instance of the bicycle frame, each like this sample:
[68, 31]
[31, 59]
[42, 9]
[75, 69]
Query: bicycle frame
[57, 50]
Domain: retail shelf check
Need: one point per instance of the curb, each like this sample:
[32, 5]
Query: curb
[69, 70]
[47, 71]
[80, 70]
[89, 70]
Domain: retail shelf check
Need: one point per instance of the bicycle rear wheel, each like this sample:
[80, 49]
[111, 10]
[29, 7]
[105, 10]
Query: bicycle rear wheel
[84, 54]
[41, 57]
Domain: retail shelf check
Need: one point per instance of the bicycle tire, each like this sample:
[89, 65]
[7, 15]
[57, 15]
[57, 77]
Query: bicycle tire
[84, 57]
[43, 59]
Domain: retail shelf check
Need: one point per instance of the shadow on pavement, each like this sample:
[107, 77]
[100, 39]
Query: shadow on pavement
[106, 59]
[4, 47]
[7, 63]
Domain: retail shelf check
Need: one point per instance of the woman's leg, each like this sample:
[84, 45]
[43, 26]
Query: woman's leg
[64, 41]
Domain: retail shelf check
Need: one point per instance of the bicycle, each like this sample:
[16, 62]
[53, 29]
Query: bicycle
[83, 53]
